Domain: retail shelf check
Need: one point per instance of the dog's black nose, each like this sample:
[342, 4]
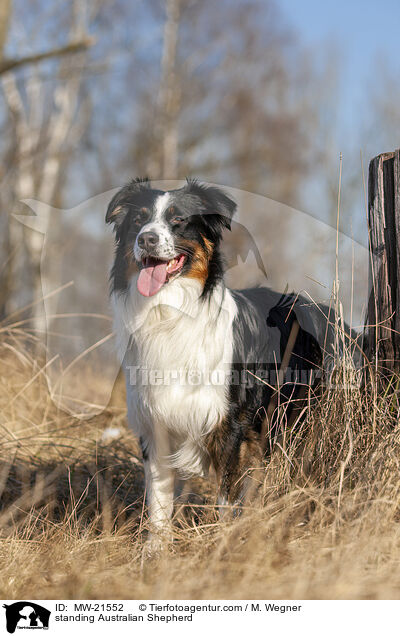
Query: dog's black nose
[148, 240]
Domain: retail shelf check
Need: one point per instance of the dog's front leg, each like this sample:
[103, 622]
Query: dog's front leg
[160, 481]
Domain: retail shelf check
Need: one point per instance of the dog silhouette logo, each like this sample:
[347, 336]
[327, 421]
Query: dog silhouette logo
[26, 615]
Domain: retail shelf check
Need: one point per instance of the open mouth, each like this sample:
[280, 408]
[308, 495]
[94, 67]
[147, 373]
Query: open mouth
[155, 273]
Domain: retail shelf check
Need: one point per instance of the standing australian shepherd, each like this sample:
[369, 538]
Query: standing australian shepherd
[199, 358]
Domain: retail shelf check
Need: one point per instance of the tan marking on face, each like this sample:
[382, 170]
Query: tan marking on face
[200, 259]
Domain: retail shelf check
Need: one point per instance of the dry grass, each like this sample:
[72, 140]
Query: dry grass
[324, 522]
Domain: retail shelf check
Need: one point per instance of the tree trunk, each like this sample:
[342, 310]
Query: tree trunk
[41, 182]
[165, 166]
[383, 323]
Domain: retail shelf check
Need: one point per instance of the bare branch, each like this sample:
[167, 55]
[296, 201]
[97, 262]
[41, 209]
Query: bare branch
[73, 47]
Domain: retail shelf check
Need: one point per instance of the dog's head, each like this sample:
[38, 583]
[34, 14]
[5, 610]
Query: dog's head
[168, 234]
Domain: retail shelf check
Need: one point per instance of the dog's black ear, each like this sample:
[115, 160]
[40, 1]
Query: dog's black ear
[117, 211]
[218, 208]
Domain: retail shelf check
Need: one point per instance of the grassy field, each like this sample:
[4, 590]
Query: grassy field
[323, 523]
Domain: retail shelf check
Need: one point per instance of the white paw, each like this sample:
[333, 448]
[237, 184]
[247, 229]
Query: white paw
[156, 545]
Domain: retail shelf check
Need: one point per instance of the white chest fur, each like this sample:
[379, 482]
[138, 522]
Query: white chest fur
[176, 350]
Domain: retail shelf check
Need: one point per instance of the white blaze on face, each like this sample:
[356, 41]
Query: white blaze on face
[163, 260]
[160, 206]
[165, 248]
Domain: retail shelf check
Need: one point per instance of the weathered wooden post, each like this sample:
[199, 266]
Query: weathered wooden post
[382, 342]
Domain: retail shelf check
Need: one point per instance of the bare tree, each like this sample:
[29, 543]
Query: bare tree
[235, 102]
[46, 124]
[169, 93]
[236, 99]
[7, 64]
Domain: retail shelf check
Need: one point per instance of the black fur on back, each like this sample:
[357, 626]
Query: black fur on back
[261, 331]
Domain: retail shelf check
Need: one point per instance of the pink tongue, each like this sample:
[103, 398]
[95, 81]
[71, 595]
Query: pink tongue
[152, 277]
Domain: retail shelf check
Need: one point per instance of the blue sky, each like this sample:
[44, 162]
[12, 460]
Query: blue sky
[364, 39]
[364, 32]
[355, 34]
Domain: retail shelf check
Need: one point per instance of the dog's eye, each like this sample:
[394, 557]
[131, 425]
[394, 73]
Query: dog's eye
[173, 216]
[140, 216]
[176, 220]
